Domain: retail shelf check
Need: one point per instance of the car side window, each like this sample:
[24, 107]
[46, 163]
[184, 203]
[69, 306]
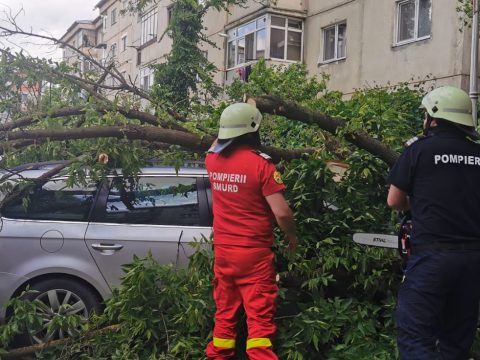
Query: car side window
[54, 200]
[154, 200]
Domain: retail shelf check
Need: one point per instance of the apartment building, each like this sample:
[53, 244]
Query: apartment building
[357, 43]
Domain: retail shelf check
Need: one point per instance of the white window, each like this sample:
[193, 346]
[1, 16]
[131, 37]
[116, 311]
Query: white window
[123, 43]
[124, 4]
[414, 20]
[113, 51]
[249, 41]
[80, 38]
[104, 21]
[286, 38]
[149, 26]
[334, 42]
[146, 78]
[113, 15]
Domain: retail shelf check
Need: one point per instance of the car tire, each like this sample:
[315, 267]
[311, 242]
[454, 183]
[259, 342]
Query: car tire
[54, 293]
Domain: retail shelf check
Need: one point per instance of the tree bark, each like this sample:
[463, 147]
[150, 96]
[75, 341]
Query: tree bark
[277, 106]
[21, 353]
[186, 140]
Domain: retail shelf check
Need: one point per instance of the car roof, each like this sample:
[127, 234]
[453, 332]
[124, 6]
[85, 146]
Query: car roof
[34, 170]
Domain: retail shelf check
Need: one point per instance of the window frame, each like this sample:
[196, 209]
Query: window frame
[286, 29]
[113, 17]
[204, 217]
[104, 17]
[113, 51]
[146, 72]
[149, 19]
[233, 38]
[92, 189]
[335, 56]
[123, 43]
[415, 38]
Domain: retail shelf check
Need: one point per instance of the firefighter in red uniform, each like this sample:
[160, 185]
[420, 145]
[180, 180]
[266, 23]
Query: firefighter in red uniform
[247, 199]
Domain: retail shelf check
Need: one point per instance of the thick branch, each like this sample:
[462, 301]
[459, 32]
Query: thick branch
[186, 140]
[143, 116]
[28, 351]
[274, 105]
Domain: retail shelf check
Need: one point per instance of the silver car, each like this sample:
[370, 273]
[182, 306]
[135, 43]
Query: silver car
[70, 243]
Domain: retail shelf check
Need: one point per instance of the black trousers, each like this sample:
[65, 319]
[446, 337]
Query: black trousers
[438, 303]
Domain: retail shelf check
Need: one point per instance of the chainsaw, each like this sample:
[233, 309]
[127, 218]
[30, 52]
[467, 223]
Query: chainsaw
[401, 241]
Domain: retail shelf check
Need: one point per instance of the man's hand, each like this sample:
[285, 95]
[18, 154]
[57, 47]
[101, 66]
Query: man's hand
[290, 242]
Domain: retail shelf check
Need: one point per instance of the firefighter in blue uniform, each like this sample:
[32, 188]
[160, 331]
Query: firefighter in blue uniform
[437, 178]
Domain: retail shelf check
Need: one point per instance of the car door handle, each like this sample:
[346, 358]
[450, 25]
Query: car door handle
[107, 247]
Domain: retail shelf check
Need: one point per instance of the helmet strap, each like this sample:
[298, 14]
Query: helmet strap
[426, 128]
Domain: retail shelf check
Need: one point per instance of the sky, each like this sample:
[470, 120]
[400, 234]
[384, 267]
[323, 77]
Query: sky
[47, 17]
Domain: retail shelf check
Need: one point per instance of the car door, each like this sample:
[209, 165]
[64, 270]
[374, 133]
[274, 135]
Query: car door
[161, 214]
[42, 232]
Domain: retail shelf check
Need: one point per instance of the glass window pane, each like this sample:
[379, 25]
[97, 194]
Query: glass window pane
[406, 21]
[53, 201]
[231, 54]
[156, 201]
[294, 48]
[249, 47]
[240, 51]
[294, 24]
[261, 42]
[341, 42]
[261, 23]
[250, 27]
[278, 21]
[277, 43]
[241, 30]
[424, 18]
[329, 44]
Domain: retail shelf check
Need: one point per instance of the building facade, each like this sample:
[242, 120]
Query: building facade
[358, 43]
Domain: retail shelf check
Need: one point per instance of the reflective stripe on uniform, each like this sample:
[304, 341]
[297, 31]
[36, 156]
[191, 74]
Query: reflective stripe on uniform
[224, 343]
[258, 342]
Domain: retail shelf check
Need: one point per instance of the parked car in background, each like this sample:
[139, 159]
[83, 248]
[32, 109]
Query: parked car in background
[69, 243]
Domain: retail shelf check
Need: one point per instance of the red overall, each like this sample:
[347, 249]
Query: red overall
[244, 262]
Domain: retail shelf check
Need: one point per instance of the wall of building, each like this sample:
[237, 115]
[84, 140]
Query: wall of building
[372, 56]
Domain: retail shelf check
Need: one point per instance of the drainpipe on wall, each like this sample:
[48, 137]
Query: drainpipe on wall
[474, 63]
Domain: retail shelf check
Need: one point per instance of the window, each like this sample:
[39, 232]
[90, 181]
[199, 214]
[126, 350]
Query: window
[139, 58]
[248, 42]
[154, 200]
[79, 40]
[113, 16]
[104, 21]
[146, 78]
[414, 20]
[113, 51]
[124, 4]
[149, 26]
[53, 201]
[334, 42]
[123, 43]
[286, 39]
[169, 14]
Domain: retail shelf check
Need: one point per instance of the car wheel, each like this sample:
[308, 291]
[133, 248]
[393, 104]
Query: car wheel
[62, 297]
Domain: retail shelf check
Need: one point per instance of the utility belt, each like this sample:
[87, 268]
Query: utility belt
[446, 246]
[406, 248]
